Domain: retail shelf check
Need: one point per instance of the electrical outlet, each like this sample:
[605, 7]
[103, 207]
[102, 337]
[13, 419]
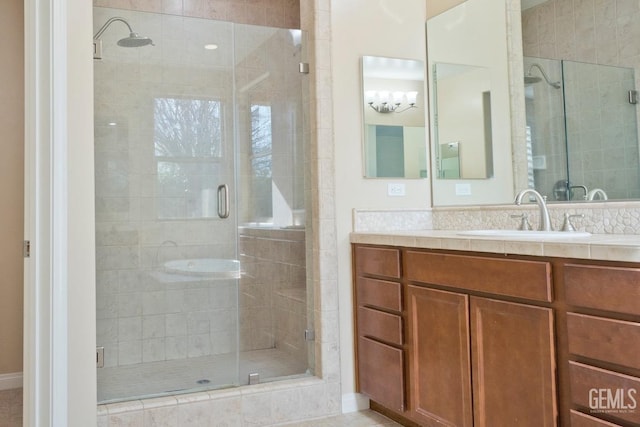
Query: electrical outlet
[396, 189]
[463, 189]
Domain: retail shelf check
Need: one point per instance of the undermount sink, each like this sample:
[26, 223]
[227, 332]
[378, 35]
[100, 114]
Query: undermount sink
[205, 267]
[526, 234]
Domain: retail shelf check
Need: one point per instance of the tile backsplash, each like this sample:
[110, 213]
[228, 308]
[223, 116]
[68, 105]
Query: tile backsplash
[599, 218]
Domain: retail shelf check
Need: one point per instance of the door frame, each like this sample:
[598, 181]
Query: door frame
[59, 275]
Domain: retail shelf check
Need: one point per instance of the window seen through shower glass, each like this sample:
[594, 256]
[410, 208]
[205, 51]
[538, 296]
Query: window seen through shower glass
[261, 161]
[188, 151]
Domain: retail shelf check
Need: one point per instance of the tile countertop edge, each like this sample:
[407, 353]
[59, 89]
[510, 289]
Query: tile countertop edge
[604, 247]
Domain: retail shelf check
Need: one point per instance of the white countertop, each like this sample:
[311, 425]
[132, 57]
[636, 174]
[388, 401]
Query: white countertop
[606, 247]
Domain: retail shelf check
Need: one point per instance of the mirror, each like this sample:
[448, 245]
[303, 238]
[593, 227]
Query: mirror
[557, 147]
[581, 99]
[394, 118]
[462, 117]
[470, 105]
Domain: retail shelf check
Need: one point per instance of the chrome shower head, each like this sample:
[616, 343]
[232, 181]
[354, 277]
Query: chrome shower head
[530, 79]
[134, 39]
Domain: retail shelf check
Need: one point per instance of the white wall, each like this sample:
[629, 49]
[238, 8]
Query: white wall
[363, 27]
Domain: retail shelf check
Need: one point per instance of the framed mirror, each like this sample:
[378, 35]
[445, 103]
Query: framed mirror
[394, 118]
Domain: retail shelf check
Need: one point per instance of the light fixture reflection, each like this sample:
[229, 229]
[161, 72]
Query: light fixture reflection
[211, 46]
[391, 102]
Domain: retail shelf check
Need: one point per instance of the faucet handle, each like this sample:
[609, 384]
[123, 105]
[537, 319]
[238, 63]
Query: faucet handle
[567, 226]
[524, 222]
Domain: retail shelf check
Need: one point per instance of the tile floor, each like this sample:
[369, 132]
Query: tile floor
[366, 418]
[11, 415]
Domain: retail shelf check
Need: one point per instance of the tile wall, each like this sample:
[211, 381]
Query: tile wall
[142, 221]
[599, 217]
[284, 401]
[545, 112]
[271, 13]
[273, 290]
[594, 32]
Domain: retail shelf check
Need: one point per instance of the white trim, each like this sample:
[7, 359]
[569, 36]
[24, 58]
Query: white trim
[9, 381]
[37, 311]
[59, 225]
[354, 402]
[45, 293]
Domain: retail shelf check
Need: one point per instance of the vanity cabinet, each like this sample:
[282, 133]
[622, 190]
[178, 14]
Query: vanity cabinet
[474, 344]
[603, 335]
[456, 334]
[379, 326]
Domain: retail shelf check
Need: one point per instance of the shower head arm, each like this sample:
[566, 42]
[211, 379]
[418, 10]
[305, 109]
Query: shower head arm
[109, 22]
[546, 78]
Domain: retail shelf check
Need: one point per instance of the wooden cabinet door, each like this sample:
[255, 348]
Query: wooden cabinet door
[513, 363]
[440, 380]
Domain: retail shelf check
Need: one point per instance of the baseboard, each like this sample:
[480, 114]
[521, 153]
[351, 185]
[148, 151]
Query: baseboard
[9, 381]
[354, 402]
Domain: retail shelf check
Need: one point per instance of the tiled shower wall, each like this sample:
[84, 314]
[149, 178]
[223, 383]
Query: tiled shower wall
[273, 290]
[270, 13]
[143, 314]
[544, 111]
[595, 32]
[602, 133]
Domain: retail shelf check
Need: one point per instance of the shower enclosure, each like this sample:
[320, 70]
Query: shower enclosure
[199, 154]
[582, 132]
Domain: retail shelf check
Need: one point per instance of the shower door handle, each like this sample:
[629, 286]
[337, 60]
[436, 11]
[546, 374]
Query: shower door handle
[223, 201]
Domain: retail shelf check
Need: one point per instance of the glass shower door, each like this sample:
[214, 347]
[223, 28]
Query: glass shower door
[274, 301]
[166, 218]
[200, 206]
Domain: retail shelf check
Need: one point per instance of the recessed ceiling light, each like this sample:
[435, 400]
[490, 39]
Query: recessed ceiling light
[211, 46]
[112, 123]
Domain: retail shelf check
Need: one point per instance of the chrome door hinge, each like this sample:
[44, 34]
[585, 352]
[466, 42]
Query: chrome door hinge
[99, 357]
[26, 249]
[303, 68]
[309, 335]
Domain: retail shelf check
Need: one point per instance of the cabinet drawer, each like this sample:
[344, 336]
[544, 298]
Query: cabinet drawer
[609, 340]
[605, 288]
[517, 278]
[378, 261]
[379, 293]
[605, 391]
[578, 419]
[378, 324]
[381, 373]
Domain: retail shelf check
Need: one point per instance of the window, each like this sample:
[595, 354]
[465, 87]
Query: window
[188, 150]
[261, 162]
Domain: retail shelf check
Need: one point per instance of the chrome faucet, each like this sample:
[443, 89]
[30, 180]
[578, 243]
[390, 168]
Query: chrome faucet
[583, 187]
[170, 242]
[591, 195]
[544, 223]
